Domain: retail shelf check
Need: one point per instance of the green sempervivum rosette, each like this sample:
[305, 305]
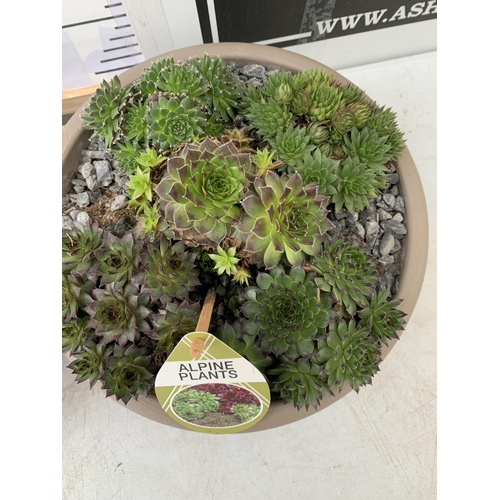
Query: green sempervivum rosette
[103, 112]
[269, 117]
[129, 373]
[277, 84]
[318, 168]
[88, 363]
[292, 144]
[347, 272]
[244, 344]
[119, 314]
[368, 147]
[383, 121]
[173, 121]
[74, 335]
[318, 133]
[202, 188]
[298, 382]
[126, 154]
[342, 121]
[285, 312]
[382, 317]
[134, 126]
[75, 293]
[78, 248]
[118, 258]
[182, 79]
[349, 355]
[223, 85]
[283, 218]
[355, 184]
[362, 113]
[151, 77]
[351, 93]
[169, 270]
[325, 99]
[172, 323]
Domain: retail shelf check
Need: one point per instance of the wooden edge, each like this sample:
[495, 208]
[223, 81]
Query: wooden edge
[72, 100]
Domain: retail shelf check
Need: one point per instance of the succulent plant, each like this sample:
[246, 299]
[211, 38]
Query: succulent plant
[223, 86]
[368, 147]
[244, 344]
[134, 126]
[169, 271]
[129, 373]
[298, 382]
[173, 121]
[382, 317]
[75, 334]
[202, 188]
[103, 112]
[347, 272]
[343, 120]
[324, 101]
[263, 161]
[182, 80]
[152, 76]
[383, 121]
[172, 323]
[118, 314]
[292, 144]
[118, 258]
[351, 93]
[355, 184]
[126, 154]
[279, 86]
[88, 363]
[318, 168]
[225, 260]
[269, 117]
[318, 133]
[283, 218]
[140, 190]
[362, 113]
[79, 246]
[285, 311]
[349, 355]
[149, 158]
[75, 292]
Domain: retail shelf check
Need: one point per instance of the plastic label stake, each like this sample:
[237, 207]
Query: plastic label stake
[208, 387]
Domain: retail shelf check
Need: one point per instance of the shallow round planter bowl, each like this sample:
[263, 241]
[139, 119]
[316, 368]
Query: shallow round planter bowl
[415, 243]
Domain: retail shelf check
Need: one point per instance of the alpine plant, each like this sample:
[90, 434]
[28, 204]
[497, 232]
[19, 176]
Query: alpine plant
[283, 218]
[202, 188]
[285, 312]
[232, 186]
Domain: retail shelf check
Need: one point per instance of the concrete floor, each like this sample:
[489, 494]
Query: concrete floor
[379, 444]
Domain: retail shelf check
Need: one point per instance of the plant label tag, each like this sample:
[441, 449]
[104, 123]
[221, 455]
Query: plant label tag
[208, 387]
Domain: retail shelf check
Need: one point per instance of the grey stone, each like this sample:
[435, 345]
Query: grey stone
[78, 189]
[386, 244]
[74, 214]
[103, 172]
[95, 196]
[83, 218]
[386, 282]
[254, 70]
[397, 246]
[78, 182]
[341, 214]
[397, 228]
[255, 82]
[399, 206]
[394, 190]
[82, 199]
[389, 200]
[86, 169]
[118, 203]
[92, 183]
[371, 240]
[67, 222]
[392, 178]
[385, 260]
[397, 217]
[371, 227]
[383, 215]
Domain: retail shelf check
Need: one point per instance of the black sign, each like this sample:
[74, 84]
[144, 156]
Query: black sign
[289, 22]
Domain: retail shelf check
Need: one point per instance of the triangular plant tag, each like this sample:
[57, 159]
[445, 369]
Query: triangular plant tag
[208, 387]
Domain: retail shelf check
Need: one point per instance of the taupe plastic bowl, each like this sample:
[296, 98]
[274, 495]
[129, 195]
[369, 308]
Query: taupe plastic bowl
[415, 244]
